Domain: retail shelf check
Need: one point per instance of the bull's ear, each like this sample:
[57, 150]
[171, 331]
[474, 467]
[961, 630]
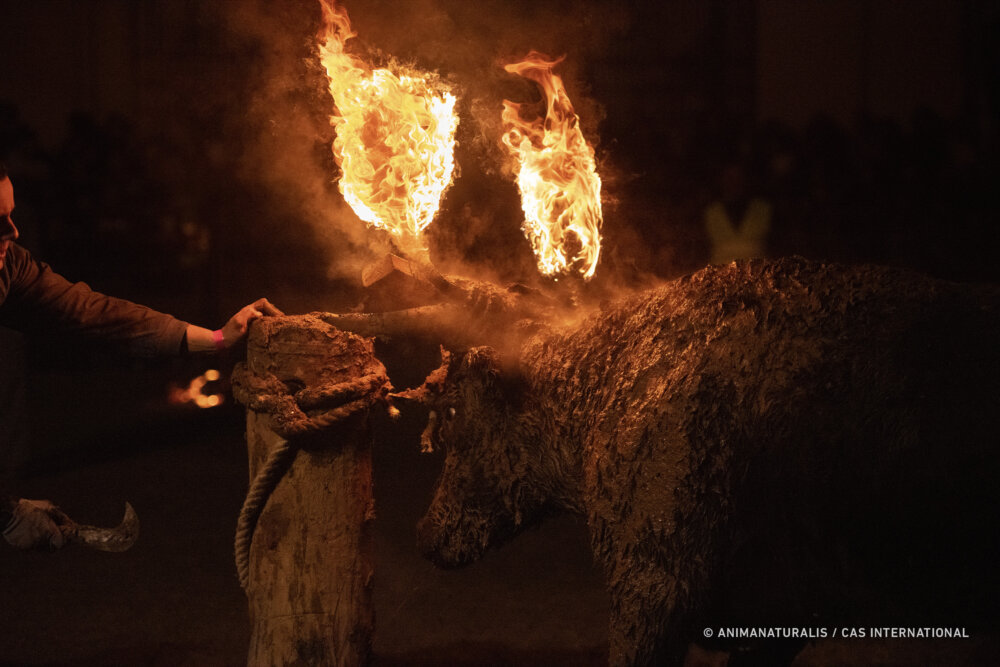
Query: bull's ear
[436, 378]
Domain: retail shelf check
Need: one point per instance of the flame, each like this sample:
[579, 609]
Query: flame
[194, 392]
[556, 174]
[395, 141]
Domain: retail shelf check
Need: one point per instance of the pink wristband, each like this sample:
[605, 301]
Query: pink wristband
[217, 338]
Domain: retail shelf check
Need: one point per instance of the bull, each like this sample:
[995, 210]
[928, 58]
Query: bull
[782, 444]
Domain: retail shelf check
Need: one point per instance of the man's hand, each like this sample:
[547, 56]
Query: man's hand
[235, 330]
[36, 524]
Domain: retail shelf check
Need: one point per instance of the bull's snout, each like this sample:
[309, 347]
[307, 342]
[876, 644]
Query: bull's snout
[434, 545]
[452, 536]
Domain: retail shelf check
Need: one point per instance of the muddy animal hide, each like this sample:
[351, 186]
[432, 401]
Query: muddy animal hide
[765, 443]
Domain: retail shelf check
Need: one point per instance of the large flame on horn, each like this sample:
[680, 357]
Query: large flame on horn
[556, 174]
[395, 141]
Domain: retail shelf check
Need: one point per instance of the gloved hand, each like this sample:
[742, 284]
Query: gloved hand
[35, 524]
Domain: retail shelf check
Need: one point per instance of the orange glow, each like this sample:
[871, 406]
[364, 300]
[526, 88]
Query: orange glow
[194, 393]
[556, 174]
[395, 141]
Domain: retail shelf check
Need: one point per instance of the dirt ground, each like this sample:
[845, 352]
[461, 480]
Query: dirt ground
[174, 599]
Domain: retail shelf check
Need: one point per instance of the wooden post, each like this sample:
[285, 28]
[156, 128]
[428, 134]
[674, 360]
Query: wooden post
[310, 566]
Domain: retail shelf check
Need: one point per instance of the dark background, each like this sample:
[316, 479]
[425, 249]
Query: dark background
[176, 153]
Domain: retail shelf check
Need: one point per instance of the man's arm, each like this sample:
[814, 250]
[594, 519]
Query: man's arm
[200, 339]
[38, 297]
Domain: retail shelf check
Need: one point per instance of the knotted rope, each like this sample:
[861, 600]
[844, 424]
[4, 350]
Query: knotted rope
[289, 420]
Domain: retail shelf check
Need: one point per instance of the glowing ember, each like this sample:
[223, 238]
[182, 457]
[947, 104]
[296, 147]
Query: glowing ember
[557, 175]
[194, 393]
[395, 136]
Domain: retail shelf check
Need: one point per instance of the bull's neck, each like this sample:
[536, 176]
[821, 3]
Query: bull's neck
[550, 421]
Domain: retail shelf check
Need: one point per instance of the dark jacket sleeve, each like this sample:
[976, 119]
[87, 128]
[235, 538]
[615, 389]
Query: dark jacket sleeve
[33, 296]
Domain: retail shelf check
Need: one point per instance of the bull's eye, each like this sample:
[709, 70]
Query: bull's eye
[451, 413]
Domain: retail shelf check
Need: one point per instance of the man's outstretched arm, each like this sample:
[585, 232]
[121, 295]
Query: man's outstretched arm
[39, 298]
[200, 339]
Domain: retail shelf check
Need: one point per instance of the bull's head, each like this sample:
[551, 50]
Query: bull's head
[484, 495]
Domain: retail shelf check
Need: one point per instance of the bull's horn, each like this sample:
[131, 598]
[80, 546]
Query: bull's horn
[448, 324]
[476, 314]
[430, 321]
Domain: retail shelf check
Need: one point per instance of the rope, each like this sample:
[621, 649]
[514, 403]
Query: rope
[288, 420]
[278, 461]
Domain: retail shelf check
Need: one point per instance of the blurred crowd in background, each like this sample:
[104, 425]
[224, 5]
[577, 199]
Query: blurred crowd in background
[918, 194]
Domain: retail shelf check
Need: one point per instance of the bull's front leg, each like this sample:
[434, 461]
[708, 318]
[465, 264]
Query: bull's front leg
[648, 625]
[659, 587]
[655, 535]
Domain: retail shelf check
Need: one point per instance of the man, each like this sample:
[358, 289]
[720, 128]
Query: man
[32, 295]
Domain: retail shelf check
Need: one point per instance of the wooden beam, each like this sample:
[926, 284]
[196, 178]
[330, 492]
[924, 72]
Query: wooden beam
[310, 566]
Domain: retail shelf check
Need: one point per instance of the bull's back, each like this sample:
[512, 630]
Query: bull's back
[793, 330]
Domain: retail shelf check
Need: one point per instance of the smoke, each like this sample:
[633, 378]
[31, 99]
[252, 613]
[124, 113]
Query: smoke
[288, 134]
[469, 41]
[477, 231]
